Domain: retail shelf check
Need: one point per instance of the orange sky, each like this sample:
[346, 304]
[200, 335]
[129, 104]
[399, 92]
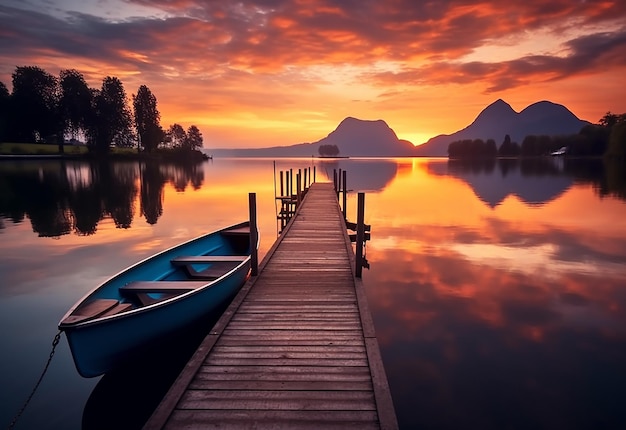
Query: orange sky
[275, 72]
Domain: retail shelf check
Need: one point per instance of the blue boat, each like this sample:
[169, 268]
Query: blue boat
[156, 298]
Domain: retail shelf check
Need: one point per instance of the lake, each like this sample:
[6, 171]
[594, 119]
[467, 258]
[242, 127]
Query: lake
[498, 288]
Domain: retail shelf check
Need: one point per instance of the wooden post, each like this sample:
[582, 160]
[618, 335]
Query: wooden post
[345, 197]
[282, 188]
[309, 169]
[314, 173]
[290, 182]
[298, 191]
[304, 186]
[335, 179]
[338, 184]
[360, 234]
[254, 235]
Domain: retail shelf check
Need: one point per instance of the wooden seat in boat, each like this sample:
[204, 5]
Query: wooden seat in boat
[236, 231]
[218, 265]
[188, 259]
[161, 286]
[140, 291]
[96, 308]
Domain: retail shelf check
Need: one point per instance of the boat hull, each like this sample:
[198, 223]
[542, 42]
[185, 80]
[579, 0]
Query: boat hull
[100, 345]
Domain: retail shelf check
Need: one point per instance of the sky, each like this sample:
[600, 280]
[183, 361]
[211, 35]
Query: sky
[275, 72]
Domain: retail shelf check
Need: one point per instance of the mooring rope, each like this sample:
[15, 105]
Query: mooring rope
[55, 342]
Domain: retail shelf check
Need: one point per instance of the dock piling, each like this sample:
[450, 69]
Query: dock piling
[345, 195]
[360, 234]
[254, 235]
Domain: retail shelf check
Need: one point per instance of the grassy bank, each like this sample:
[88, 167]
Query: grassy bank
[42, 149]
[51, 149]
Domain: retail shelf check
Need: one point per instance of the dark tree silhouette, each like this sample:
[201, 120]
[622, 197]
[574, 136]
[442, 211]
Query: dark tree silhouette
[34, 114]
[194, 138]
[75, 102]
[111, 119]
[176, 136]
[147, 119]
[4, 111]
[617, 138]
[328, 150]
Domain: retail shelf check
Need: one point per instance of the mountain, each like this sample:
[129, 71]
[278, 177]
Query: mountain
[499, 119]
[360, 138]
[354, 138]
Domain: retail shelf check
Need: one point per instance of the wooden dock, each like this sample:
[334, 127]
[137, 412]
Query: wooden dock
[296, 348]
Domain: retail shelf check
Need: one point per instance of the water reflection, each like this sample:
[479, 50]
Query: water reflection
[487, 347]
[510, 314]
[535, 181]
[61, 197]
[506, 312]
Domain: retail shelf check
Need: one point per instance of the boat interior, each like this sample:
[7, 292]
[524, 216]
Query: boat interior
[188, 272]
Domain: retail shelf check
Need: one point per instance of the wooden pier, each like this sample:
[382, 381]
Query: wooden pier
[296, 348]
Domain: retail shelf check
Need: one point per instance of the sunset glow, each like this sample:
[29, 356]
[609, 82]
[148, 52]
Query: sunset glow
[277, 72]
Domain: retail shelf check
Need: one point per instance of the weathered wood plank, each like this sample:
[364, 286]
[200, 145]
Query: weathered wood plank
[278, 400]
[224, 361]
[284, 373]
[200, 384]
[272, 420]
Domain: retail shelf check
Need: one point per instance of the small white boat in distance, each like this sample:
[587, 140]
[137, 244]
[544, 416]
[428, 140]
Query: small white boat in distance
[561, 151]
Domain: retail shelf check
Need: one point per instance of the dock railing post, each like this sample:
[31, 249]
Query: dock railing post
[314, 173]
[360, 234]
[345, 192]
[335, 179]
[338, 184]
[254, 235]
[298, 190]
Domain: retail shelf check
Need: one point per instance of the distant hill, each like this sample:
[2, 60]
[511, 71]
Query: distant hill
[353, 137]
[361, 138]
[499, 119]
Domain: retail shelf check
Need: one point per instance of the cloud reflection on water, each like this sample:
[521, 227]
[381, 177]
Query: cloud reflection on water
[500, 318]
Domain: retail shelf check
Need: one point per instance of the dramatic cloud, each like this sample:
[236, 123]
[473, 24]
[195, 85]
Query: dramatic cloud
[340, 53]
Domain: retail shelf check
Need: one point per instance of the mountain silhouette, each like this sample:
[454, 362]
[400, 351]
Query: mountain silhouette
[374, 138]
[534, 182]
[354, 138]
[499, 119]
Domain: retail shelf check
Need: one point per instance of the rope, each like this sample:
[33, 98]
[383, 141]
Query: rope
[55, 342]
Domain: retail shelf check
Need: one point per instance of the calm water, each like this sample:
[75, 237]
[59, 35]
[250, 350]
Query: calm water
[498, 290]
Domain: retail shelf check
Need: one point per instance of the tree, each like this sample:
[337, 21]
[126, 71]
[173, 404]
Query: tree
[176, 136]
[34, 114]
[617, 139]
[328, 150]
[508, 148]
[147, 117]
[110, 121]
[194, 138]
[75, 102]
[609, 120]
[4, 111]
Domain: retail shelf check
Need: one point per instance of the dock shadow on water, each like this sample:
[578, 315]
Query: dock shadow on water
[126, 397]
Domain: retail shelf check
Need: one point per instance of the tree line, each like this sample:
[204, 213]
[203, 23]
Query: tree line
[45, 108]
[606, 138]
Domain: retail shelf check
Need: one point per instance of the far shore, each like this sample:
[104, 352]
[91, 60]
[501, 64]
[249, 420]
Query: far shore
[17, 151]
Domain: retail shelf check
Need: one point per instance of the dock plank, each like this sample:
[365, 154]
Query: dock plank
[296, 349]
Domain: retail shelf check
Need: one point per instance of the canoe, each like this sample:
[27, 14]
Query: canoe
[156, 298]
